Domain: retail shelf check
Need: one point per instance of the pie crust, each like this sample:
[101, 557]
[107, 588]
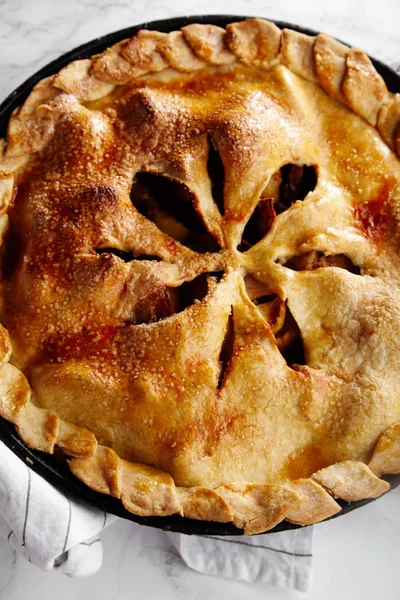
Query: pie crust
[179, 397]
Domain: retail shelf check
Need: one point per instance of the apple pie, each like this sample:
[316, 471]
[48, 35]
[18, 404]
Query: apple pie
[200, 275]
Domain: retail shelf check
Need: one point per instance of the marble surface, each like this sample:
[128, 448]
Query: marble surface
[356, 555]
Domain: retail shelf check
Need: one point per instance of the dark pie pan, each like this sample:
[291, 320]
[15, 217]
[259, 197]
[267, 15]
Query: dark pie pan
[53, 470]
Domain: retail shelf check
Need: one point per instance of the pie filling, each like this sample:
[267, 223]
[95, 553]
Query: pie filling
[170, 205]
[289, 184]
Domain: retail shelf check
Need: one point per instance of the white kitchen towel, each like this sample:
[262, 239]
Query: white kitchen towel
[280, 559]
[55, 531]
[45, 525]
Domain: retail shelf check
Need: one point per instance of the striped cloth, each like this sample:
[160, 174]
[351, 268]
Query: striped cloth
[45, 525]
[55, 531]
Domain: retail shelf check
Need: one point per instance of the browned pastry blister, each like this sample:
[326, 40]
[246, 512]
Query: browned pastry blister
[199, 299]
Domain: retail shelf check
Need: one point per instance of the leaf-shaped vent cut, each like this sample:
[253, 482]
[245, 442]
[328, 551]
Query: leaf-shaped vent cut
[289, 341]
[278, 316]
[259, 223]
[309, 261]
[172, 207]
[160, 301]
[297, 182]
[191, 292]
[291, 183]
[226, 351]
[153, 306]
[285, 329]
[125, 256]
[216, 174]
[12, 252]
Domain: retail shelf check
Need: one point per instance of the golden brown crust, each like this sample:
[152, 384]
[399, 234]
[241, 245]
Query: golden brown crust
[208, 43]
[5, 345]
[204, 504]
[330, 63]
[315, 506]
[397, 141]
[386, 456]
[363, 88]
[102, 472]
[43, 93]
[297, 53]
[147, 491]
[178, 53]
[6, 193]
[76, 79]
[38, 428]
[389, 119]
[112, 67]
[107, 345]
[257, 508]
[75, 441]
[351, 481]
[141, 51]
[14, 392]
[26, 135]
[8, 165]
[254, 41]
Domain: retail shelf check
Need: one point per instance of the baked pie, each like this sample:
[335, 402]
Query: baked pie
[200, 292]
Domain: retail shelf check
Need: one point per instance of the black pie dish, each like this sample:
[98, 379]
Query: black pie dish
[55, 471]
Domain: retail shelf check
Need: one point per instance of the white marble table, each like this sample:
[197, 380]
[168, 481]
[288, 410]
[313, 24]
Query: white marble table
[356, 555]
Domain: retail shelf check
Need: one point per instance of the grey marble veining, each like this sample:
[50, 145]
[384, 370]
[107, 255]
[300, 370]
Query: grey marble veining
[355, 556]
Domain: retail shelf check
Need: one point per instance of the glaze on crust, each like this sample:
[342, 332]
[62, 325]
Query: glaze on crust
[150, 341]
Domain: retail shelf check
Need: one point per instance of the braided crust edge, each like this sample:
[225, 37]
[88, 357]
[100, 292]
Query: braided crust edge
[346, 74]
